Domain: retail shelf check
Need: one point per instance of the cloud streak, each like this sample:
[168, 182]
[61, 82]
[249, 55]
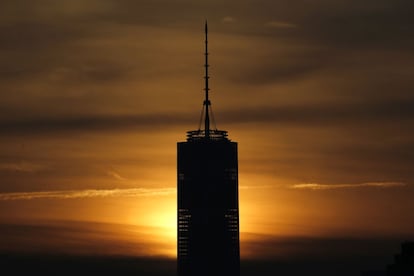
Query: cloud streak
[280, 24]
[116, 175]
[87, 193]
[25, 167]
[316, 186]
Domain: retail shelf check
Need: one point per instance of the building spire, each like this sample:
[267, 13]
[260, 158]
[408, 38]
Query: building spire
[208, 133]
[206, 89]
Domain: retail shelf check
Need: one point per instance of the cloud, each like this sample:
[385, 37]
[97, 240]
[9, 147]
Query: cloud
[25, 167]
[71, 194]
[280, 24]
[115, 175]
[249, 187]
[91, 123]
[380, 26]
[322, 114]
[228, 19]
[82, 238]
[332, 113]
[316, 186]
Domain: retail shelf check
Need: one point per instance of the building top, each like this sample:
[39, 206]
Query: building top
[207, 133]
[214, 135]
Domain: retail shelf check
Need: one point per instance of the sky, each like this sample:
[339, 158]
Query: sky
[318, 94]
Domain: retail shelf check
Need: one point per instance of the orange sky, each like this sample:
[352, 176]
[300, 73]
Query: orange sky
[96, 94]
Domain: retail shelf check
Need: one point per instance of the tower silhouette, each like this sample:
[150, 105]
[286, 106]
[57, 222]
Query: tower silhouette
[207, 198]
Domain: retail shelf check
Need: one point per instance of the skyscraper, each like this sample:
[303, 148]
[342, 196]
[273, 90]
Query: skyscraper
[207, 199]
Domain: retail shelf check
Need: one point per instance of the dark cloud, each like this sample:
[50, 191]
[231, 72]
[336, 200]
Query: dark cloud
[342, 24]
[375, 112]
[279, 66]
[74, 247]
[346, 39]
[39, 36]
[72, 238]
[397, 112]
[320, 248]
[376, 24]
[93, 123]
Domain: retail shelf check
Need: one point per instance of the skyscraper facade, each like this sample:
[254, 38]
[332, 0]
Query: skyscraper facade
[207, 199]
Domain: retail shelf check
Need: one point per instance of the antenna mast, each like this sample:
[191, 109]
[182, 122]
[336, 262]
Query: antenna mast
[207, 133]
[206, 89]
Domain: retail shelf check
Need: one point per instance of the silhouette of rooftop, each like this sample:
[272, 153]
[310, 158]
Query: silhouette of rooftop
[403, 262]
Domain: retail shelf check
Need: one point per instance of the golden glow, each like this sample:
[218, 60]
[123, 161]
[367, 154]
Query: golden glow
[144, 224]
[160, 218]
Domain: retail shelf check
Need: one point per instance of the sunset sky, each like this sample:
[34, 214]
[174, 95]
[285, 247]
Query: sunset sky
[95, 94]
